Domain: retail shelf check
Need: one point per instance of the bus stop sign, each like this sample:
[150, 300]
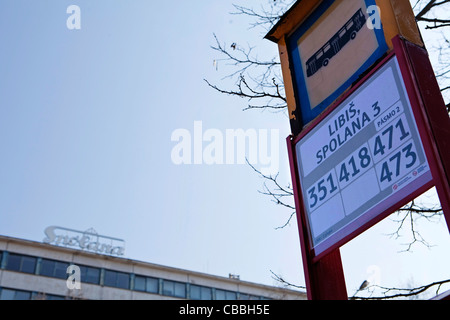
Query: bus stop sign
[369, 128]
[363, 158]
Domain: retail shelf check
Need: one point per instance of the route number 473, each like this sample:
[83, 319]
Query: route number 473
[406, 158]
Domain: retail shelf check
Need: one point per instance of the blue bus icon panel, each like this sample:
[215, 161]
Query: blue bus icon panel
[334, 45]
[330, 51]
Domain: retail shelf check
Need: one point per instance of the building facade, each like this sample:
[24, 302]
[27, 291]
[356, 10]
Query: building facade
[32, 270]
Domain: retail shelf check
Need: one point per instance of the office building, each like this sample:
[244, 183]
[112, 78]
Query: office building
[34, 270]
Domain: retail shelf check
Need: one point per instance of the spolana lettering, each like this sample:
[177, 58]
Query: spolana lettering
[85, 241]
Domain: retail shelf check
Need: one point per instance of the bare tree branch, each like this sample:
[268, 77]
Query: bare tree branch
[438, 22]
[434, 14]
[408, 215]
[286, 283]
[426, 9]
[246, 91]
[277, 192]
[243, 59]
[267, 16]
[402, 292]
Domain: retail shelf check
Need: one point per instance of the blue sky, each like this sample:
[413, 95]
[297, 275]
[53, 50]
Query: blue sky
[86, 118]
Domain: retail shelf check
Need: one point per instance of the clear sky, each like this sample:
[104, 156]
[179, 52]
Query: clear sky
[86, 119]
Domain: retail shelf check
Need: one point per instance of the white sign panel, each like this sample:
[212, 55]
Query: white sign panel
[361, 156]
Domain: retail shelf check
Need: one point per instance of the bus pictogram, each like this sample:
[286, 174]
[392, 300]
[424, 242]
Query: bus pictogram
[348, 32]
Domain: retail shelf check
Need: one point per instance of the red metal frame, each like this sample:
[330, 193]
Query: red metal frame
[433, 120]
[325, 278]
[323, 271]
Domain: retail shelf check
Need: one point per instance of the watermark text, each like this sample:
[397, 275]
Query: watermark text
[227, 147]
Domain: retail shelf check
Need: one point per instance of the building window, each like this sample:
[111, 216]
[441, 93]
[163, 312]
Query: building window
[54, 297]
[174, 289]
[90, 275]
[117, 279]
[146, 284]
[200, 293]
[17, 262]
[225, 295]
[55, 269]
[140, 283]
[244, 296]
[9, 294]
[46, 296]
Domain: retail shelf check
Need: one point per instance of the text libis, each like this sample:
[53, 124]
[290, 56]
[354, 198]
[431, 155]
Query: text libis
[343, 128]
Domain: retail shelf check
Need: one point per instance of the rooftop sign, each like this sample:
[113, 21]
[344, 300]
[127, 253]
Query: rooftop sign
[88, 240]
